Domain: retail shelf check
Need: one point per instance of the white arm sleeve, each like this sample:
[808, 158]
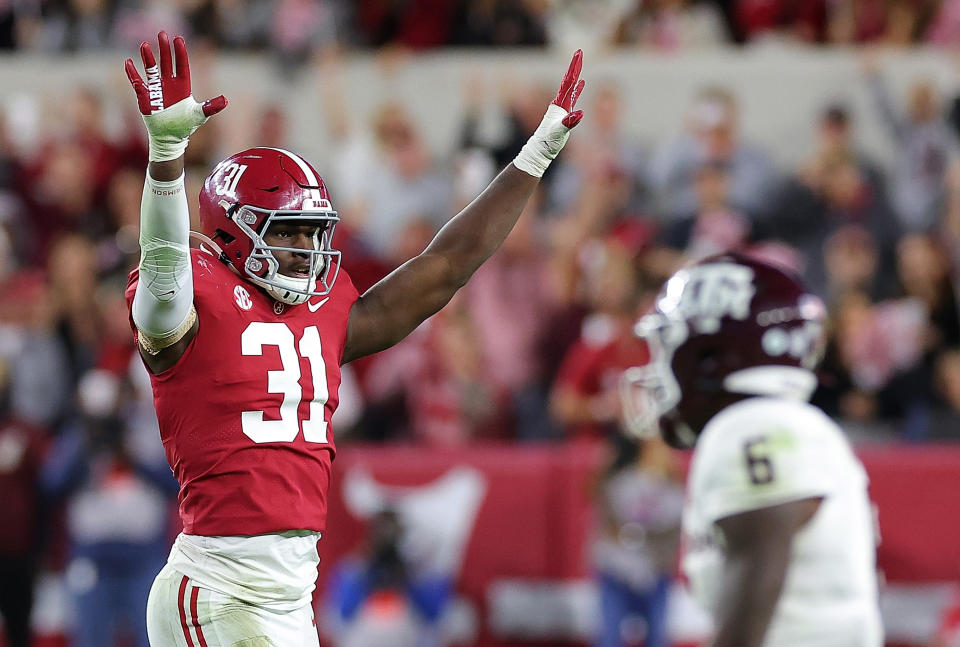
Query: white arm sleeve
[163, 302]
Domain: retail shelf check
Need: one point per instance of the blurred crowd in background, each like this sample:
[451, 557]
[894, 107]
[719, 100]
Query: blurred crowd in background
[292, 27]
[531, 350]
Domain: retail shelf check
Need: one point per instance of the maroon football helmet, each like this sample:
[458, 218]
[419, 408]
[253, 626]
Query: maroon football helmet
[724, 328]
[248, 192]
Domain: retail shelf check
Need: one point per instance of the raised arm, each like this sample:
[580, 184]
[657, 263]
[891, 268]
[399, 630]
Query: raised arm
[756, 558]
[391, 309]
[880, 93]
[163, 304]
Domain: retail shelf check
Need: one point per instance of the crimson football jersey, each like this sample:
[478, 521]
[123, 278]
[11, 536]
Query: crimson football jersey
[245, 413]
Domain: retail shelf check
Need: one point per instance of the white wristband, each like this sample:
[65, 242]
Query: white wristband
[545, 143]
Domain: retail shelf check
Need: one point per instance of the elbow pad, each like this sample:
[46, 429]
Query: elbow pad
[164, 294]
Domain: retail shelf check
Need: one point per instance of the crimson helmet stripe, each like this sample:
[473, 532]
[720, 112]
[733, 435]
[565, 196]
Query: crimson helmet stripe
[307, 172]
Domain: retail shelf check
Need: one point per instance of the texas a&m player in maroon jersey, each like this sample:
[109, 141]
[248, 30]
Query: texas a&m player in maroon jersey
[244, 339]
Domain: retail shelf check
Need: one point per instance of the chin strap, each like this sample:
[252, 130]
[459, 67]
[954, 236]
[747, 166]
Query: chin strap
[209, 246]
[281, 293]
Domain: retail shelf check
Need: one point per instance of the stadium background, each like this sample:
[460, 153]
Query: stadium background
[817, 133]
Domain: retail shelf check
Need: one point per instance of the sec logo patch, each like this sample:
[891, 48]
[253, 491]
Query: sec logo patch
[242, 297]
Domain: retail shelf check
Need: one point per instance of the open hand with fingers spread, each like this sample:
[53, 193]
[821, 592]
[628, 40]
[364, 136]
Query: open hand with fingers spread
[554, 130]
[169, 110]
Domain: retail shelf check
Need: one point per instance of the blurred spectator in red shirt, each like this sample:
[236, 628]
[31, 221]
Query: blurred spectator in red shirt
[22, 449]
[273, 126]
[799, 20]
[415, 23]
[513, 299]
[857, 21]
[60, 198]
[437, 386]
[86, 128]
[444, 378]
[898, 22]
[948, 630]
[585, 399]
[65, 188]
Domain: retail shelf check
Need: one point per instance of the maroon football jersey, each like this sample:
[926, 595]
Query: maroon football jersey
[245, 413]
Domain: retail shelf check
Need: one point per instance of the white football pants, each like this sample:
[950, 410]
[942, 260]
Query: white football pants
[180, 614]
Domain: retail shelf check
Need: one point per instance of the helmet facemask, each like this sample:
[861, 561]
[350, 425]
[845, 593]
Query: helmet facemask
[262, 267]
[651, 391]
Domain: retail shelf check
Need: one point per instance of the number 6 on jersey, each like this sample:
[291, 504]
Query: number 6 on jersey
[286, 381]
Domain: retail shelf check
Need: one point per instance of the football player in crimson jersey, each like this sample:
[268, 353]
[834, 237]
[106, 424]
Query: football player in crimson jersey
[778, 528]
[244, 339]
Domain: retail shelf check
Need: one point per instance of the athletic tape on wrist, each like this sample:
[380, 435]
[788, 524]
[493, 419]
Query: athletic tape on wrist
[170, 129]
[545, 144]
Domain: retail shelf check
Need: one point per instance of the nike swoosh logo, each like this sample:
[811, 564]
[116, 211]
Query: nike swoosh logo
[316, 306]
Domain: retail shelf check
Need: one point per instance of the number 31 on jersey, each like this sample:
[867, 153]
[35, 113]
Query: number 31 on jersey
[286, 382]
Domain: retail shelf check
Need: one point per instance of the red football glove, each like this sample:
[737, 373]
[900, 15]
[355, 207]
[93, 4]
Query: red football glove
[570, 88]
[552, 133]
[169, 110]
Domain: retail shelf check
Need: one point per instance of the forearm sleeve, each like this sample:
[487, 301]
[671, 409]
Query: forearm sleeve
[163, 302]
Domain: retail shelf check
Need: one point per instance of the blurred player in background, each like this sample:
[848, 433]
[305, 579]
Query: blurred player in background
[640, 502]
[244, 339]
[779, 542]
